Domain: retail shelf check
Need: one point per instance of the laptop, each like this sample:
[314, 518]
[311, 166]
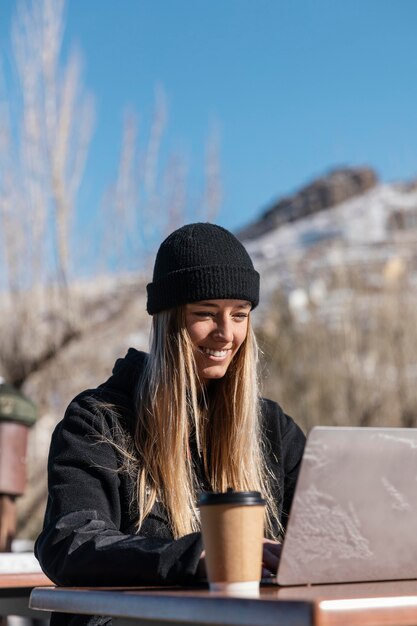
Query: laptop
[354, 512]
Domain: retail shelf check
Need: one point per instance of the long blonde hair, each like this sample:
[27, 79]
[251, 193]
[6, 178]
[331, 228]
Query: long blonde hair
[173, 406]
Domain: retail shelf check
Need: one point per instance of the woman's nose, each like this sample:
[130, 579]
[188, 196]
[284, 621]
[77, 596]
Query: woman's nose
[224, 330]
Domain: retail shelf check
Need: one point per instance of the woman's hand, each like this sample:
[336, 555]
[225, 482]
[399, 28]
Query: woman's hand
[201, 568]
[271, 552]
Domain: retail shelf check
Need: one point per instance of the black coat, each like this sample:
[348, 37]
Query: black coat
[89, 535]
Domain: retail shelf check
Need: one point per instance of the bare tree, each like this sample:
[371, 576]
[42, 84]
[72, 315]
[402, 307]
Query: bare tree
[46, 125]
[213, 196]
[46, 122]
[150, 196]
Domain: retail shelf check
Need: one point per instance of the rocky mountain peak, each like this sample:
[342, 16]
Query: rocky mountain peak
[327, 191]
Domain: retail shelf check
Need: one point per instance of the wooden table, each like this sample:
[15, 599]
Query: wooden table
[361, 604]
[15, 590]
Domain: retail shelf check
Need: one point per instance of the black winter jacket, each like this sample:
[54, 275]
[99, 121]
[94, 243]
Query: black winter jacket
[89, 535]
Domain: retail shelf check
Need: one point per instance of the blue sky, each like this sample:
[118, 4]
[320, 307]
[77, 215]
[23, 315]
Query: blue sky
[295, 87]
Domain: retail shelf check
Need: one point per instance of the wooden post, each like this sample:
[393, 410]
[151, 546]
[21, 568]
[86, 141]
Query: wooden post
[17, 414]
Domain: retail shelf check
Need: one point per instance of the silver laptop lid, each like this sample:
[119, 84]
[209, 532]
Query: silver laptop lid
[354, 513]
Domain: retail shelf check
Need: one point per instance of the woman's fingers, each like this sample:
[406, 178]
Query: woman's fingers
[270, 557]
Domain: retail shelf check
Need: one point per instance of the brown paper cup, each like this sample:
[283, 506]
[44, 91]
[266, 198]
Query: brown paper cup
[232, 538]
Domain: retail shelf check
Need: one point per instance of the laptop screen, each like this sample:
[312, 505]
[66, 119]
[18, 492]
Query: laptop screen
[354, 513]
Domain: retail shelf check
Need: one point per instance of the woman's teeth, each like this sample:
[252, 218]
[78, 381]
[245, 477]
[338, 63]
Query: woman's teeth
[217, 353]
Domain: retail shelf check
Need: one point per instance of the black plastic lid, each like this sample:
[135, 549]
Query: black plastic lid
[231, 497]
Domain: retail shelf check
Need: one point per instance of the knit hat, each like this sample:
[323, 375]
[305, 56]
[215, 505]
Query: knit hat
[201, 262]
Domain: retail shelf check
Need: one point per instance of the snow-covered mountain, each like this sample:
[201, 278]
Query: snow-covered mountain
[375, 232]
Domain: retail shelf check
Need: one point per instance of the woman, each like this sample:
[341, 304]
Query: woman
[129, 458]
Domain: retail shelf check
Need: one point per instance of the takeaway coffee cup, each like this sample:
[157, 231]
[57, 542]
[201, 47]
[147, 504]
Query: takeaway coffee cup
[232, 525]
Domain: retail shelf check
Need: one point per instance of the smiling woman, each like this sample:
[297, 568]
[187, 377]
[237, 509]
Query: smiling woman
[129, 459]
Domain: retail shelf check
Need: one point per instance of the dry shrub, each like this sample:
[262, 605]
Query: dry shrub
[356, 367]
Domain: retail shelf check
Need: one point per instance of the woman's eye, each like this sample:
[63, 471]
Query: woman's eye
[203, 313]
[240, 316]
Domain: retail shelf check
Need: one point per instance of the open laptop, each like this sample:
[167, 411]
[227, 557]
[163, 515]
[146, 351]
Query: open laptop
[354, 512]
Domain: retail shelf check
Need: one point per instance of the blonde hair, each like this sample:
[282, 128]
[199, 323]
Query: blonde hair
[173, 406]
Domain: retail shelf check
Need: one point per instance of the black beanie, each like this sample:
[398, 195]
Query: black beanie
[201, 262]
